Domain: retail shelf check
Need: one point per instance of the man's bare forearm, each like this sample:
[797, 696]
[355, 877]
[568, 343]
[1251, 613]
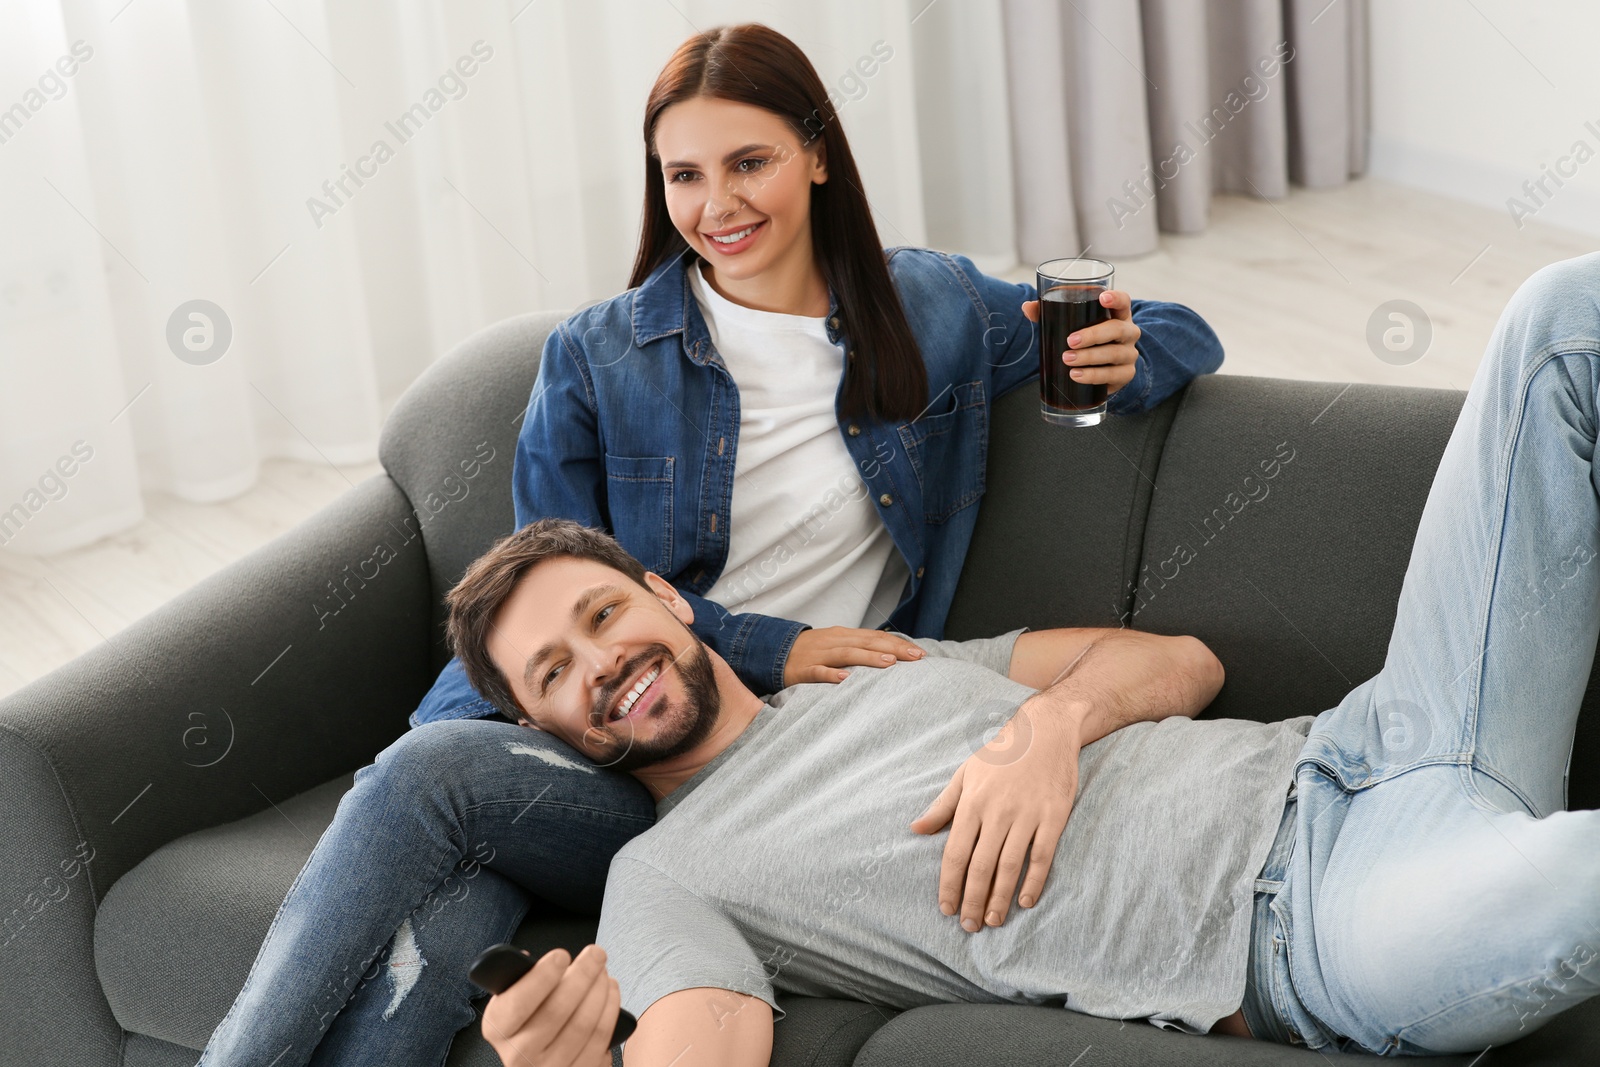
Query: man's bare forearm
[1105, 679]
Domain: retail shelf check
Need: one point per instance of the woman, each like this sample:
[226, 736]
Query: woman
[779, 417]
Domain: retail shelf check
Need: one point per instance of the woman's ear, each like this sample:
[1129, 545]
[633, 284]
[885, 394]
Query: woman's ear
[819, 163]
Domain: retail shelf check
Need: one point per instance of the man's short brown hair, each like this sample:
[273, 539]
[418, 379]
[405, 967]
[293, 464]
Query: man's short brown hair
[488, 583]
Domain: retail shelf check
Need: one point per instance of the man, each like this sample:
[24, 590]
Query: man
[1417, 890]
[810, 802]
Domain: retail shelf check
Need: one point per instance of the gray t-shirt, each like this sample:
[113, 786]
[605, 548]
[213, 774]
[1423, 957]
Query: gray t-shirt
[788, 861]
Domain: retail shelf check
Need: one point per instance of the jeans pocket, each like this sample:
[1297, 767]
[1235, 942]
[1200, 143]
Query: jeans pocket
[1280, 969]
[1285, 1000]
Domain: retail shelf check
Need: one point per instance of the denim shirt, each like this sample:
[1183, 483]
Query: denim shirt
[633, 426]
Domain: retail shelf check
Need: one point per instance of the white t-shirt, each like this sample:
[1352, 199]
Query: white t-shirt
[806, 541]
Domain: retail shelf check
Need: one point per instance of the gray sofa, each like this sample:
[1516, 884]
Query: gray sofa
[162, 790]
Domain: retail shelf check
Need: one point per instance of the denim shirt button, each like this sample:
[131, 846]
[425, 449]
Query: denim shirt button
[886, 500]
[919, 572]
[834, 322]
[854, 430]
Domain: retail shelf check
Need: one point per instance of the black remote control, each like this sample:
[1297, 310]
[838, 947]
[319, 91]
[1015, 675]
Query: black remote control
[499, 966]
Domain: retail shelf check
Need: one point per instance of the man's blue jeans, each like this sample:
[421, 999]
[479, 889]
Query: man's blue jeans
[431, 858]
[1428, 892]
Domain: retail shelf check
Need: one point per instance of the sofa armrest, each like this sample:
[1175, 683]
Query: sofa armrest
[289, 667]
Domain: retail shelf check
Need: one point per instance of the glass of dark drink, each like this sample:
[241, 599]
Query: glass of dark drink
[1069, 300]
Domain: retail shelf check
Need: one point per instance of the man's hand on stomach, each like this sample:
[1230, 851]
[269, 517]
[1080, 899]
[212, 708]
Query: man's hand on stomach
[1008, 803]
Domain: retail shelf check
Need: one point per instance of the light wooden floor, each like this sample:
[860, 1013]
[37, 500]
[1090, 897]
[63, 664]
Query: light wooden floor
[1288, 286]
[53, 608]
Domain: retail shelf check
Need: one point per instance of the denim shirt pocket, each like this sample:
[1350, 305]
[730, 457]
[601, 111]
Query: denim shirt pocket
[639, 499]
[948, 448]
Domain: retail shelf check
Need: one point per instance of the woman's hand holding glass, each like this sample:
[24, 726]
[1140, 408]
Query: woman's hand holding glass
[818, 655]
[1104, 352]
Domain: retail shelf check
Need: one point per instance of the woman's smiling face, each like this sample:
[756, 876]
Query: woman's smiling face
[728, 167]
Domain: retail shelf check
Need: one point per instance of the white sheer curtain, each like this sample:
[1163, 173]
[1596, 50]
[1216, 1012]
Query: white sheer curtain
[185, 159]
[354, 186]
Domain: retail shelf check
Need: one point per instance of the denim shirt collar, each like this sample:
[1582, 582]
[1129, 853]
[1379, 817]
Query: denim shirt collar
[662, 306]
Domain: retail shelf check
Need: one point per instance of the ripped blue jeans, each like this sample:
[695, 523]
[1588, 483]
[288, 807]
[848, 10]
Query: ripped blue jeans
[1428, 892]
[435, 853]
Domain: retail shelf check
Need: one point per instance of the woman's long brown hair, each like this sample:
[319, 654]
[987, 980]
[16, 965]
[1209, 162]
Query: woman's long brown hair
[886, 378]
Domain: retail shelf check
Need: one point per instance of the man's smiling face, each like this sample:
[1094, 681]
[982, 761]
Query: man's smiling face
[607, 665]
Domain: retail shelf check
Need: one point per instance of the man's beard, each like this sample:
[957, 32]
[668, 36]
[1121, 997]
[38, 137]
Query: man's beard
[683, 726]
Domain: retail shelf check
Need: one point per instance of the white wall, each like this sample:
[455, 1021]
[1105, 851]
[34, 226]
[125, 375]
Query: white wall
[1472, 98]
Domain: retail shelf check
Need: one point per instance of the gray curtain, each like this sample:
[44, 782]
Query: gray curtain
[1128, 115]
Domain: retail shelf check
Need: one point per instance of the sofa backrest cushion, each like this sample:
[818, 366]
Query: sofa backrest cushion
[1279, 532]
[450, 441]
[1060, 527]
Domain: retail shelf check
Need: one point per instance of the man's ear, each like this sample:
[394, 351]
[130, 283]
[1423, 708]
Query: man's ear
[669, 595]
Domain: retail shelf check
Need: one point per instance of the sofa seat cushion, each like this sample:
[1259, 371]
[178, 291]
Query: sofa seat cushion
[176, 936]
[959, 1035]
